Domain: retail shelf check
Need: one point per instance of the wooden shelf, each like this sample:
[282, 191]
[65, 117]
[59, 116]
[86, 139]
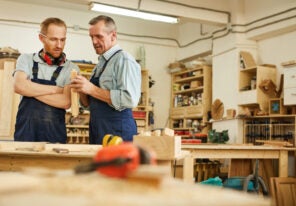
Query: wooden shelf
[274, 127]
[199, 89]
[197, 98]
[250, 77]
[189, 79]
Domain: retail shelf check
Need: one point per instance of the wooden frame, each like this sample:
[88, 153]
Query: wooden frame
[276, 106]
[283, 190]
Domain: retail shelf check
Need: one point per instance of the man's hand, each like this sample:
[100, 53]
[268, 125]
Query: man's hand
[82, 85]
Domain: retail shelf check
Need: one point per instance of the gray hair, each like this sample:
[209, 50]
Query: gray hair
[109, 22]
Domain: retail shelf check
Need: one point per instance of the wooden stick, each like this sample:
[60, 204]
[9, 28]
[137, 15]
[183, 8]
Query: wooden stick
[276, 143]
[74, 97]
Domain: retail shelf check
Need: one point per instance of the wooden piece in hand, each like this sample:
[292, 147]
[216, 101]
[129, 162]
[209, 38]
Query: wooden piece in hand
[74, 97]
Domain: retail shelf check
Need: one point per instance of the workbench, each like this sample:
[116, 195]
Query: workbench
[92, 189]
[234, 151]
[14, 156]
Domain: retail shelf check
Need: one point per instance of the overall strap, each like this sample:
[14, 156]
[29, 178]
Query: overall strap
[56, 73]
[105, 64]
[35, 70]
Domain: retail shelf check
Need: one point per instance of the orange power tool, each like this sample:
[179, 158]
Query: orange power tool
[118, 160]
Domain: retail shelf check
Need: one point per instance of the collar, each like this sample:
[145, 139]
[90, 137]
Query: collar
[108, 54]
[36, 58]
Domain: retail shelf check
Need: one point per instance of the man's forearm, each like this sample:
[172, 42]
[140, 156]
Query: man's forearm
[101, 94]
[61, 100]
[55, 100]
[26, 87]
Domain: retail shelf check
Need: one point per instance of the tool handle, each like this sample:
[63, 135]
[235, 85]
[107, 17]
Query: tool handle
[90, 167]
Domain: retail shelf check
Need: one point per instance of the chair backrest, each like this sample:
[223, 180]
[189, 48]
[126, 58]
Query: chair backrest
[283, 190]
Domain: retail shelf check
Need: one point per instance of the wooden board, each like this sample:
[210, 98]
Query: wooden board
[165, 147]
[96, 189]
[15, 156]
[8, 99]
[283, 191]
[74, 97]
[288, 63]
[15, 182]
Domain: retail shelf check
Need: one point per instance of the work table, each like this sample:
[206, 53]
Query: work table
[95, 189]
[235, 151]
[16, 155]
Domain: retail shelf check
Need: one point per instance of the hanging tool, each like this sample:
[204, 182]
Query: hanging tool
[118, 160]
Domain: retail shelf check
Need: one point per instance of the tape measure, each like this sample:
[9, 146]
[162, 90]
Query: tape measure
[110, 139]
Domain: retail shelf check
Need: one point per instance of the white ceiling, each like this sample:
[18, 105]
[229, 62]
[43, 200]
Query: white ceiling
[203, 11]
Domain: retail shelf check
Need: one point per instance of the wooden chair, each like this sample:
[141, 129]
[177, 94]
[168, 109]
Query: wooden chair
[283, 191]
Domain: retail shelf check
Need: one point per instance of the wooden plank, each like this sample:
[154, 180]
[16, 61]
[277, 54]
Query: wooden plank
[7, 96]
[188, 169]
[74, 97]
[288, 63]
[63, 162]
[283, 191]
[5, 163]
[283, 164]
[240, 167]
[165, 147]
[95, 189]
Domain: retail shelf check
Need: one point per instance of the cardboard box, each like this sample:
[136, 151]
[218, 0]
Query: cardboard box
[165, 147]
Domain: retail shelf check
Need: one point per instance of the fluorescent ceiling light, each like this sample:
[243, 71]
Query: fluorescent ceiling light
[132, 13]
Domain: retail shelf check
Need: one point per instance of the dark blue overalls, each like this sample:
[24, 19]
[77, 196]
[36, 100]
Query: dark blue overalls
[106, 120]
[37, 121]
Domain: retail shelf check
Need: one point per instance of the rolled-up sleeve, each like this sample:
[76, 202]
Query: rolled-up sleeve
[128, 84]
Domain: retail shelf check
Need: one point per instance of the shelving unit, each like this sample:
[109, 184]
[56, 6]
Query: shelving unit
[191, 99]
[275, 127]
[141, 112]
[250, 77]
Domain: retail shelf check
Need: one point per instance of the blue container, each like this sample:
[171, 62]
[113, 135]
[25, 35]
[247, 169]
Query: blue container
[237, 183]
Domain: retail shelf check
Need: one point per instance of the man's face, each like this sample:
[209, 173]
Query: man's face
[54, 40]
[102, 39]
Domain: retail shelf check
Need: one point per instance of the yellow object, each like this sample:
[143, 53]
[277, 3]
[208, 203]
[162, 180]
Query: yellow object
[110, 139]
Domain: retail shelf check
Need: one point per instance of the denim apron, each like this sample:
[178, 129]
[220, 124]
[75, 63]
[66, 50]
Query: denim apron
[37, 121]
[104, 119]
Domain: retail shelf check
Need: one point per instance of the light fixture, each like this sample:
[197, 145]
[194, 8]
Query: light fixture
[132, 13]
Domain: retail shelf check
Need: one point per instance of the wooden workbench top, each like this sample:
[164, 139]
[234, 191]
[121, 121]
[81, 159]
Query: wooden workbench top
[46, 149]
[94, 189]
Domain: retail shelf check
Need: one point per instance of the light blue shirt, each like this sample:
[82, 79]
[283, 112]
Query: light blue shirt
[122, 77]
[25, 63]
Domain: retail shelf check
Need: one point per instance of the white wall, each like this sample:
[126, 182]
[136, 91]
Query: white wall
[269, 41]
[277, 50]
[160, 48]
[159, 53]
